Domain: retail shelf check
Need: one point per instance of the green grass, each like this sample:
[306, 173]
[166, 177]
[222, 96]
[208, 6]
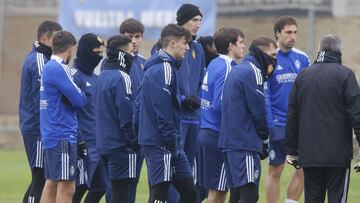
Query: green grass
[15, 177]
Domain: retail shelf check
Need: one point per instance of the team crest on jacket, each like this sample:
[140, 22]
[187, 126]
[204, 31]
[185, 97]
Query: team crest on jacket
[142, 66]
[297, 64]
[72, 170]
[193, 54]
[272, 154]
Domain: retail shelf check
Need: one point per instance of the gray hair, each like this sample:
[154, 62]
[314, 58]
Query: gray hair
[330, 43]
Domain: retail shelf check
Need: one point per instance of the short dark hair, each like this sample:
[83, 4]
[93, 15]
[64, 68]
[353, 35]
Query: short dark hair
[283, 21]
[132, 26]
[62, 41]
[224, 36]
[118, 42]
[172, 31]
[48, 27]
[263, 42]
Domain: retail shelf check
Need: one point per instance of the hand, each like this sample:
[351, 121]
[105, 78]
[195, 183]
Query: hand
[171, 148]
[293, 160]
[134, 146]
[191, 103]
[82, 149]
[265, 152]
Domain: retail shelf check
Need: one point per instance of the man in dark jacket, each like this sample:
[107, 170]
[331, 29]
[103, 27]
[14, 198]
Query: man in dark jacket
[29, 107]
[324, 107]
[244, 131]
[92, 174]
[115, 139]
[160, 114]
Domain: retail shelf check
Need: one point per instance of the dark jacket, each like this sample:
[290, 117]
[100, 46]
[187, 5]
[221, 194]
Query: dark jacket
[159, 102]
[324, 106]
[243, 113]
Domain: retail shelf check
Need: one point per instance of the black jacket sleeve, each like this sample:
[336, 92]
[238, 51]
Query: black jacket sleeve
[292, 124]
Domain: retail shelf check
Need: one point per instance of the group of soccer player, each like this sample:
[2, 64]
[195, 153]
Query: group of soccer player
[202, 118]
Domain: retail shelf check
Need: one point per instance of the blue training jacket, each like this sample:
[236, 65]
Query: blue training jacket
[212, 90]
[280, 83]
[86, 114]
[113, 110]
[29, 117]
[190, 77]
[159, 97]
[243, 121]
[59, 99]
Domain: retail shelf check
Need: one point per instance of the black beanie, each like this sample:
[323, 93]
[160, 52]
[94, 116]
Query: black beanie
[186, 12]
[91, 41]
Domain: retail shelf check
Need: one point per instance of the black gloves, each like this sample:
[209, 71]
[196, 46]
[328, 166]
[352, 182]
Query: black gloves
[134, 146]
[265, 152]
[293, 160]
[81, 149]
[190, 103]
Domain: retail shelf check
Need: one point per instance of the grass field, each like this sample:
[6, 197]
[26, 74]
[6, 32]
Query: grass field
[15, 176]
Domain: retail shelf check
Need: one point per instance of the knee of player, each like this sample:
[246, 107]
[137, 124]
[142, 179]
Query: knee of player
[275, 171]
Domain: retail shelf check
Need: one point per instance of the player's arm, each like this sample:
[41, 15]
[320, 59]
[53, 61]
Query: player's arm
[254, 94]
[269, 114]
[162, 103]
[218, 91]
[352, 101]
[123, 101]
[68, 88]
[292, 124]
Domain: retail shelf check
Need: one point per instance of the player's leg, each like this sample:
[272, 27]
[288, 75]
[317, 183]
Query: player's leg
[134, 182]
[81, 181]
[183, 178]
[67, 174]
[275, 169]
[214, 167]
[122, 168]
[159, 170]
[99, 182]
[35, 153]
[49, 192]
[248, 193]
[243, 169]
[338, 179]
[65, 191]
[315, 184]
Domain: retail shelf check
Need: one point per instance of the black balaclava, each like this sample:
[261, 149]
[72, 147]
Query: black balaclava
[266, 62]
[328, 57]
[86, 60]
[42, 48]
[186, 12]
[118, 59]
[205, 42]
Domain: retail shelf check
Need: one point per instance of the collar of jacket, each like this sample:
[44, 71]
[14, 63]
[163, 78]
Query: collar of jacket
[328, 57]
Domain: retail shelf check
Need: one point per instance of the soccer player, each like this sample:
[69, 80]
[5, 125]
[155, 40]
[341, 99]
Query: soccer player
[59, 99]
[207, 43]
[135, 30]
[29, 107]
[190, 76]
[115, 139]
[290, 61]
[92, 174]
[244, 132]
[160, 114]
[230, 45]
